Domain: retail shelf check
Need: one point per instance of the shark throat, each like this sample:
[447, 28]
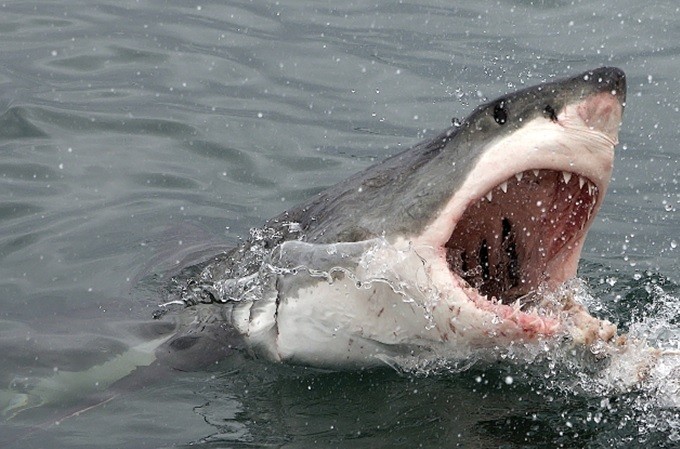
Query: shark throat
[506, 241]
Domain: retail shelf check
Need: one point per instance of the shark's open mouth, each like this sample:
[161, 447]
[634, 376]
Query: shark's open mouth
[505, 243]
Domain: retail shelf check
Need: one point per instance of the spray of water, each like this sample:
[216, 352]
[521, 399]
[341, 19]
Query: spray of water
[640, 368]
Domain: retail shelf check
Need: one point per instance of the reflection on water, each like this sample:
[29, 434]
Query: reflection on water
[137, 138]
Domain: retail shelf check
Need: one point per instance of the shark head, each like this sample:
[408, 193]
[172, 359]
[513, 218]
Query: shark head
[541, 162]
[478, 224]
[517, 222]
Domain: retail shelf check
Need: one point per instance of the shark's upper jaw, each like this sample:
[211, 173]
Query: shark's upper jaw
[521, 216]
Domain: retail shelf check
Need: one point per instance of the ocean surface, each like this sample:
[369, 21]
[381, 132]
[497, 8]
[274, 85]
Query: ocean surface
[137, 135]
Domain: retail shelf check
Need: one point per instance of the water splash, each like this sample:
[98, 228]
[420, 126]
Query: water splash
[646, 361]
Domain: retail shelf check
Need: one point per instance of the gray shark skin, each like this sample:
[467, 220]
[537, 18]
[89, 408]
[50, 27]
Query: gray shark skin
[455, 246]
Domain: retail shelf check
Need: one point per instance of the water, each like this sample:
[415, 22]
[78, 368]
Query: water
[135, 135]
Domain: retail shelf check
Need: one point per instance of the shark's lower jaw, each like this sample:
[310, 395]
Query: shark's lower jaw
[519, 235]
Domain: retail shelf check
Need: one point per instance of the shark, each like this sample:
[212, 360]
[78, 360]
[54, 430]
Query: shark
[455, 246]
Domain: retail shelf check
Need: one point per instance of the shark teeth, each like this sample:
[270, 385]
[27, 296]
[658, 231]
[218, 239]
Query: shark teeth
[503, 248]
[566, 177]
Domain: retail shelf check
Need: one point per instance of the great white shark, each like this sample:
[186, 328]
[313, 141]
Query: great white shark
[456, 247]
[452, 246]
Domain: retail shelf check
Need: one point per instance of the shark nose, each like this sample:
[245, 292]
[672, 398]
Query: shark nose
[601, 108]
[609, 79]
[602, 112]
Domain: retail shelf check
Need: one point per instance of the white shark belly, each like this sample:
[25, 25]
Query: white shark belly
[334, 324]
[349, 314]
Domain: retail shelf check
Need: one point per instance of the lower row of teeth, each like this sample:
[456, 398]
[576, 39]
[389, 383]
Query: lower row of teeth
[566, 177]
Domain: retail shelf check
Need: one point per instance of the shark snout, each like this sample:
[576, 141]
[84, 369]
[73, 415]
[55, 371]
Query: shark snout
[602, 112]
[602, 109]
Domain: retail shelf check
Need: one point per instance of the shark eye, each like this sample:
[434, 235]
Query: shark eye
[500, 113]
[549, 112]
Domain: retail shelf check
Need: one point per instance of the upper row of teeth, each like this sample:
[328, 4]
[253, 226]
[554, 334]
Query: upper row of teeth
[566, 177]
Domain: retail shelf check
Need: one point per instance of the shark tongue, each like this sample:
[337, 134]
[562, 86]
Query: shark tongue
[505, 243]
